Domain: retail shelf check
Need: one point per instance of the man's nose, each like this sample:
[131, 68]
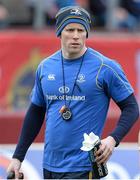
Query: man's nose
[75, 35]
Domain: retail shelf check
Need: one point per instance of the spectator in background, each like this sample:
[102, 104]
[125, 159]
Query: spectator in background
[129, 15]
[98, 10]
[58, 4]
[61, 3]
[4, 16]
[50, 7]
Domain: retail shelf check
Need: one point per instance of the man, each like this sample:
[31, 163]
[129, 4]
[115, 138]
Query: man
[73, 87]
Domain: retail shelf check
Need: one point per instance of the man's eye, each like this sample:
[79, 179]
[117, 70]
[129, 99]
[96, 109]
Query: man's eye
[70, 30]
[81, 30]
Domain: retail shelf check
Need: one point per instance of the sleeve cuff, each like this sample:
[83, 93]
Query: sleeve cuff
[116, 139]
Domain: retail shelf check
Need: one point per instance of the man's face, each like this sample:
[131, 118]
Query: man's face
[73, 38]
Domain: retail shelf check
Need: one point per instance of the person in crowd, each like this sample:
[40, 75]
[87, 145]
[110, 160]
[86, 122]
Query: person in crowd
[4, 16]
[49, 7]
[98, 9]
[129, 15]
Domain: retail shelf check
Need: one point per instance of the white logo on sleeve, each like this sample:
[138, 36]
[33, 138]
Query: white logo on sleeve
[51, 77]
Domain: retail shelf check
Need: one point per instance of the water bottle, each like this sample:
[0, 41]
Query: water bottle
[99, 170]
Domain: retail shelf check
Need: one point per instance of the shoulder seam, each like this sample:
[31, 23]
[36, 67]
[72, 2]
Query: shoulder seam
[100, 67]
[42, 63]
[117, 75]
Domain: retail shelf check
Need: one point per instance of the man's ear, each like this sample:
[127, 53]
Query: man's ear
[59, 36]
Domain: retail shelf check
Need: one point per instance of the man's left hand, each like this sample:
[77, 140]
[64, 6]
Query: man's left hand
[106, 149]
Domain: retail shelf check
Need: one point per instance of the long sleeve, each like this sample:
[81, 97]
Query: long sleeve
[129, 115]
[31, 126]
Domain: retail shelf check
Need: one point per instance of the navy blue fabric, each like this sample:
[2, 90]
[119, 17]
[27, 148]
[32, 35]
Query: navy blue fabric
[67, 175]
[31, 127]
[129, 115]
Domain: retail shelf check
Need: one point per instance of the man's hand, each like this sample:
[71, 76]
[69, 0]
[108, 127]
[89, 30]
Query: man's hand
[106, 149]
[14, 166]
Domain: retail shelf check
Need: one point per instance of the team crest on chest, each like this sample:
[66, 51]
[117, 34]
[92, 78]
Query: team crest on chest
[81, 78]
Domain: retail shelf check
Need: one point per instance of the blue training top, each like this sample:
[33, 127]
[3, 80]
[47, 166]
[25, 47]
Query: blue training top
[100, 79]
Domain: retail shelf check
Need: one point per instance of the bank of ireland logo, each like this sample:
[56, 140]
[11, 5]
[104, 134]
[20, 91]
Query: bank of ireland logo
[64, 89]
[81, 78]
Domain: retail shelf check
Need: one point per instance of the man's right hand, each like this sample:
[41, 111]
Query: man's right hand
[14, 166]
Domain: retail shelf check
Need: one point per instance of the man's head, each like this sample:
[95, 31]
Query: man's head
[72, 14]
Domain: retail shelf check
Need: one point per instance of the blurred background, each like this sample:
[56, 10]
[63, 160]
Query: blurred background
[27, 35]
